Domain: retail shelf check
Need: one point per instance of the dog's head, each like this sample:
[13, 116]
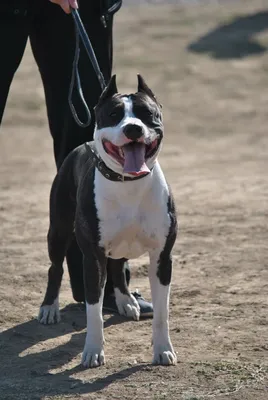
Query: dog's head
[129, 129]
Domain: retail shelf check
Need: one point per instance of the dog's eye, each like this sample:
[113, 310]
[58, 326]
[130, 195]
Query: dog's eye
[146, 113]
[113, 114]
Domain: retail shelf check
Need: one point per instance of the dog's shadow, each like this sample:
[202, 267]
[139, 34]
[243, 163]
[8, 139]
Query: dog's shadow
[22, 367]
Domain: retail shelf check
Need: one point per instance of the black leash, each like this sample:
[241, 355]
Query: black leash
[80, 32]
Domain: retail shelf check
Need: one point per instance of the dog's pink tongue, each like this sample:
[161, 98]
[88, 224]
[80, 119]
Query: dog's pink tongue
[134, 154]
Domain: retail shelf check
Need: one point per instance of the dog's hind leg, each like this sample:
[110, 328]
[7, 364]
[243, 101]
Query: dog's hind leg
[126, 303]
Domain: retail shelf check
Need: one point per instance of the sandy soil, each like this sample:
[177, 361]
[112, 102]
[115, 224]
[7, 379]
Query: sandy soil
[212, 81]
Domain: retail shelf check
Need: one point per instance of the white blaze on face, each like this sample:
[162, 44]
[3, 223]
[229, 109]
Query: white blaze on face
[134, 154]
[130, 117]
[128, 107]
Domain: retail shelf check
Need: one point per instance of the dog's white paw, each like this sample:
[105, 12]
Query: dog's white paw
[127, 305]
[49, 314]
[164, 355]
[92, 357]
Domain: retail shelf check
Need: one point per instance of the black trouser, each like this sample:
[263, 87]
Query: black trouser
[52, 39]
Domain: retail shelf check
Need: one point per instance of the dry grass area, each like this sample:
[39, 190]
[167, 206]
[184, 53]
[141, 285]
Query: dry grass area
[208, 65]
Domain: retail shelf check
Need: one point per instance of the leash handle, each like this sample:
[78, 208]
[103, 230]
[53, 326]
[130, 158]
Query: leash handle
[81, 32]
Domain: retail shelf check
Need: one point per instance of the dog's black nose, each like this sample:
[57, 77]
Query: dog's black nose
[133, 132]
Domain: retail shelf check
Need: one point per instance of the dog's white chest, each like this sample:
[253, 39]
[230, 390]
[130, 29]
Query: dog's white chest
[128, 238]
[133, 217]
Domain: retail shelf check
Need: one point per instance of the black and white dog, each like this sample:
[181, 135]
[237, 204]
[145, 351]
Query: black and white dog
[113, 193]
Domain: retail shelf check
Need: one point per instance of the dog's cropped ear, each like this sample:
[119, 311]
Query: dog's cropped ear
[144, 88]
[109, 91]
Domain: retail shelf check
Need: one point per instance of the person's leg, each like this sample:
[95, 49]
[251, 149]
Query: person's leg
[13, 39]
[51, 38]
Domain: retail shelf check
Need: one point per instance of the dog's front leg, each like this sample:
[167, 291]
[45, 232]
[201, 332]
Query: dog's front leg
[57, 243]
[94, 281]
[160, 276]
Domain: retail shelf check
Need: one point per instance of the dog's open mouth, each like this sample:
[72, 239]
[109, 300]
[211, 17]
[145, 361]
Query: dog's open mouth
[132, 156]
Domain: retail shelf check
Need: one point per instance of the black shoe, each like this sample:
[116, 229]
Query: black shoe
[146, 308]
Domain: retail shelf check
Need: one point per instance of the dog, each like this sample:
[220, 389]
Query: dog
[113, 194]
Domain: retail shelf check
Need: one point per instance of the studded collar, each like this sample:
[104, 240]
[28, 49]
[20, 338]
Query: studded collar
[106, 171]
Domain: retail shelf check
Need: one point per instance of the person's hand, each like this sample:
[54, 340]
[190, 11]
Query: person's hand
[66, 4]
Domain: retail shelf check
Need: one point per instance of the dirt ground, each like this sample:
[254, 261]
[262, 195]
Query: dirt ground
[208, 66]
